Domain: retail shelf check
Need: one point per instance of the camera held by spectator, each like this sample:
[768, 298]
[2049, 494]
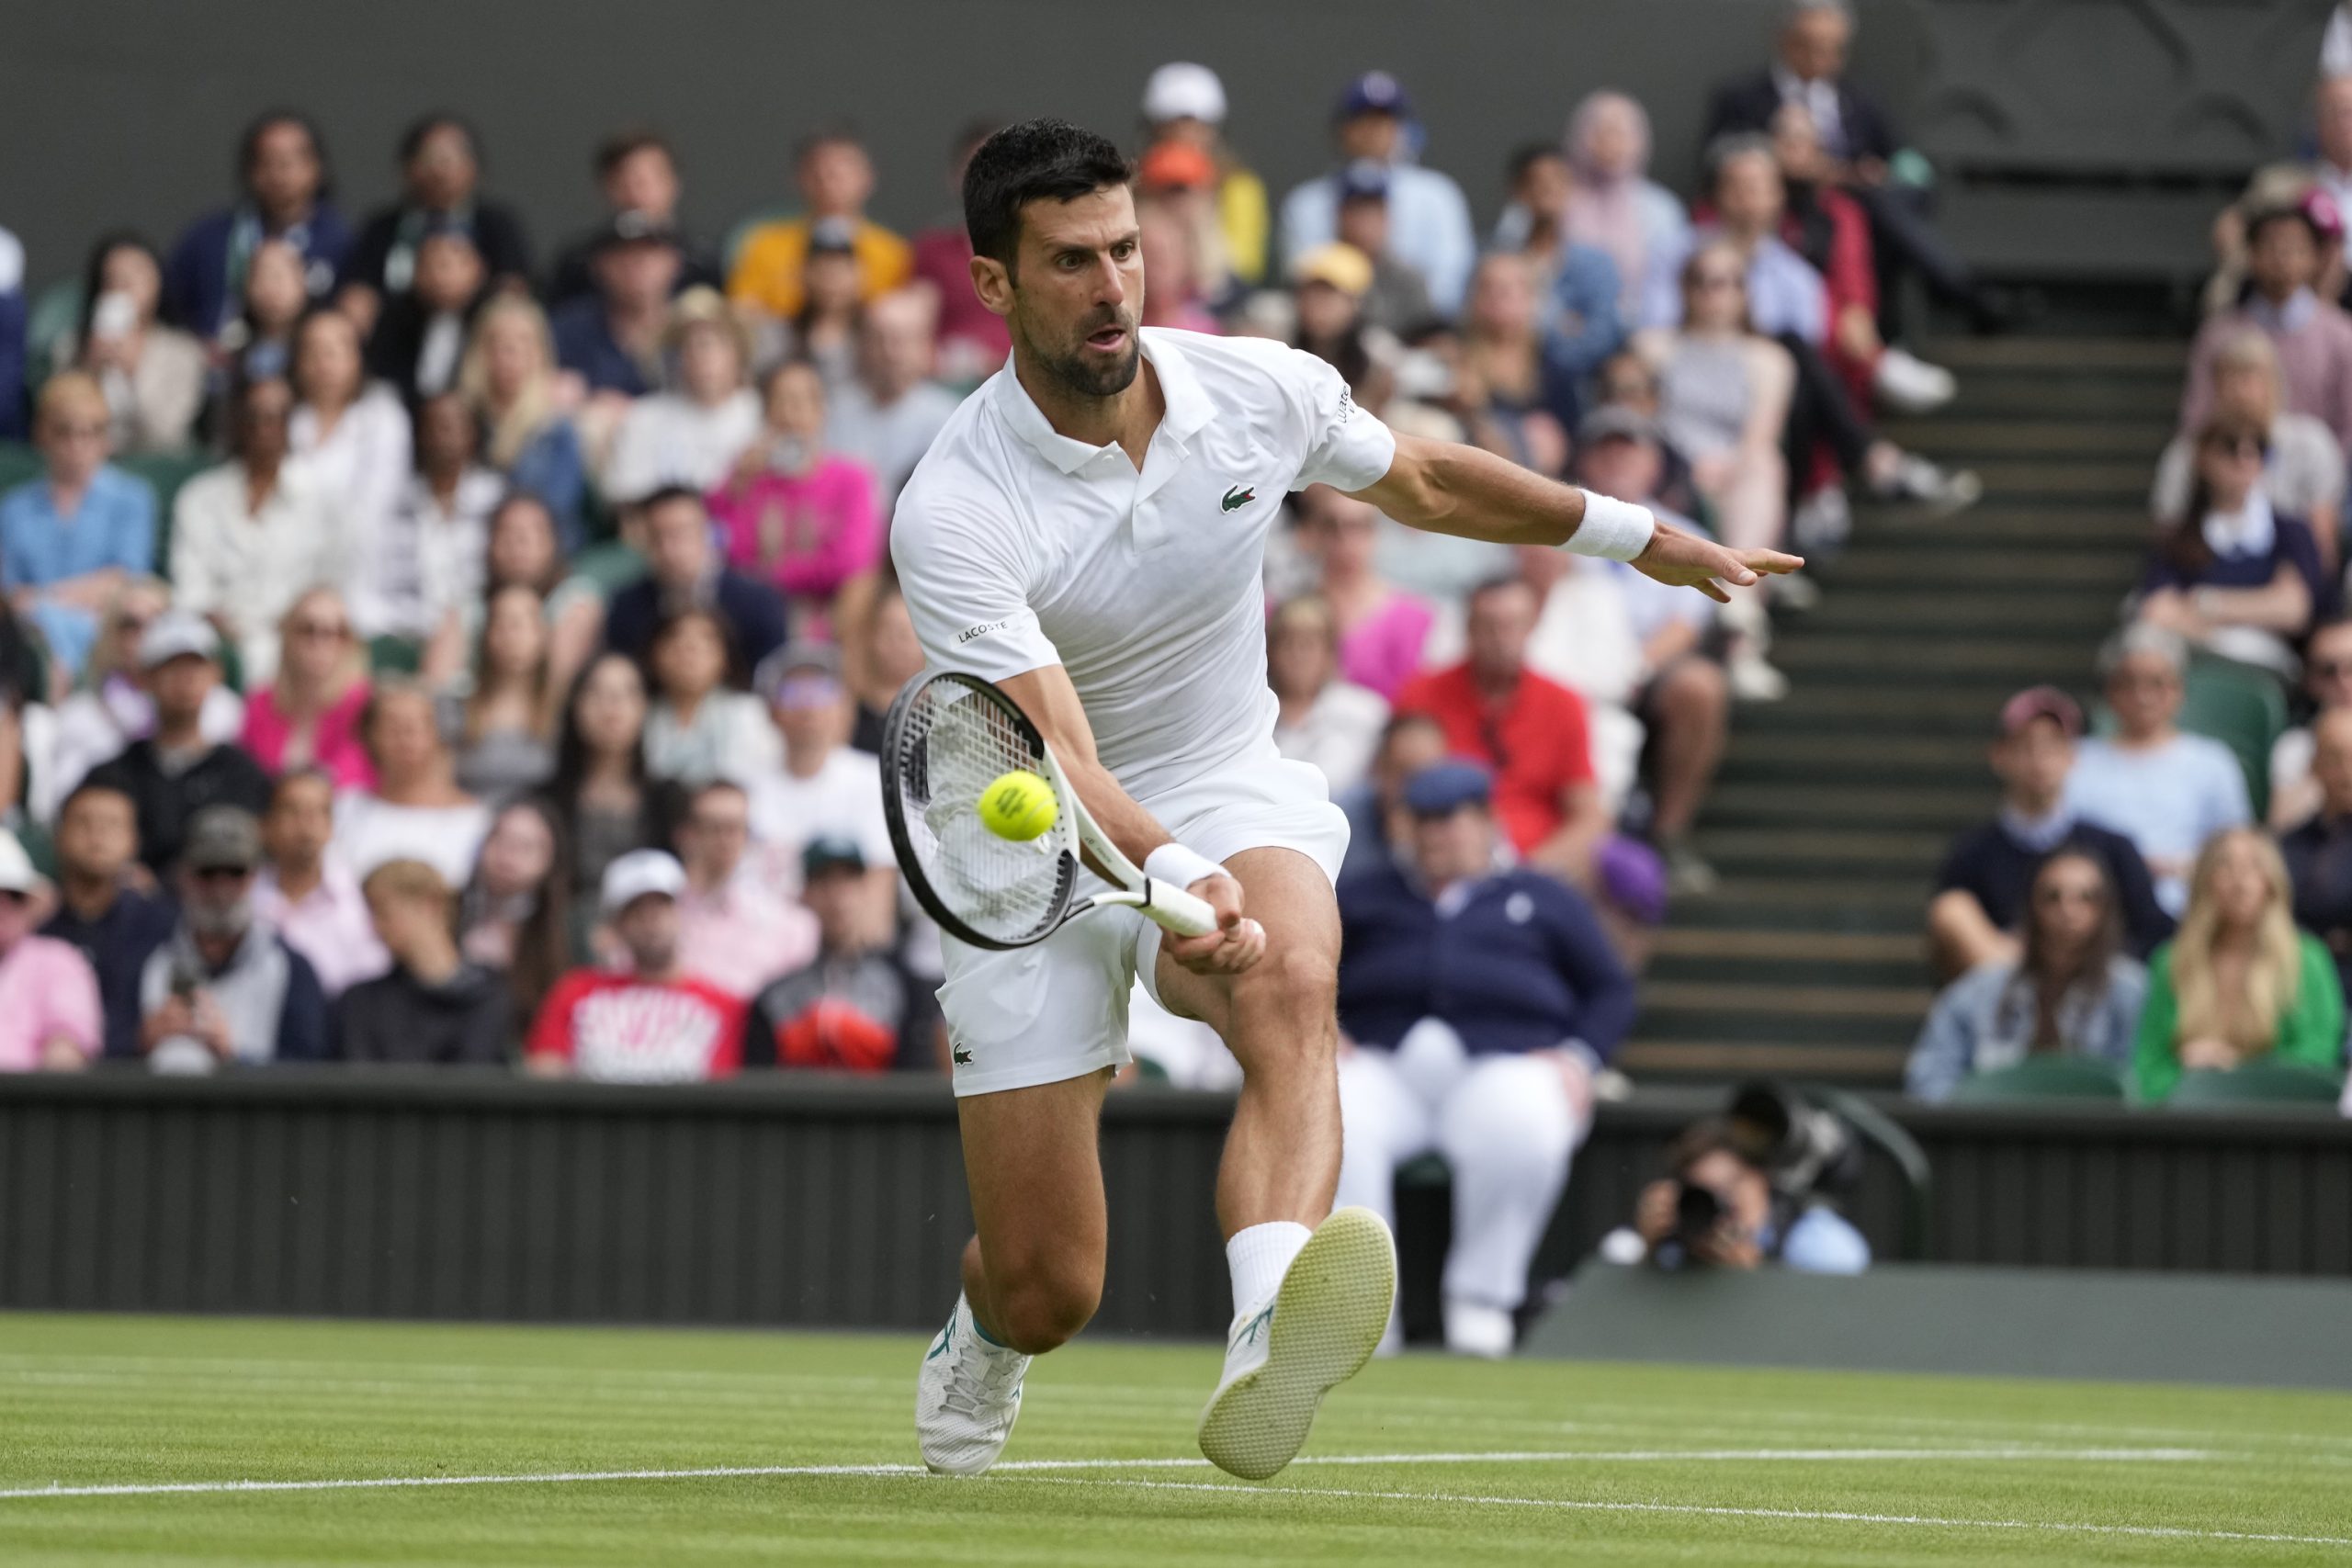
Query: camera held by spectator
[1752, 1187]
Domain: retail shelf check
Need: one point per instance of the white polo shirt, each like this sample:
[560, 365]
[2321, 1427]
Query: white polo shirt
[1018, 548]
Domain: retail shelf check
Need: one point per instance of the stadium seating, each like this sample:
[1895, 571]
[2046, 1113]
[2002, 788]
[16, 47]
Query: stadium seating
[1836, 806]
[2043, 1079]
[2258, 1083]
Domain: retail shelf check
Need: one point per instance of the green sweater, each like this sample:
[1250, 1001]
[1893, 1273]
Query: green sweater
[2312, 1032]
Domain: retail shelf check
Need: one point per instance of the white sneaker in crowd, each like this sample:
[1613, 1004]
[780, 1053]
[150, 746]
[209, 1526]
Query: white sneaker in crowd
[1754, 677]
[967, 1396]
[1908, 384]
[1283, 1356]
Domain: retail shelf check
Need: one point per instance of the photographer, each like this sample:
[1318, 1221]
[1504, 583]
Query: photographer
[1748, 1189]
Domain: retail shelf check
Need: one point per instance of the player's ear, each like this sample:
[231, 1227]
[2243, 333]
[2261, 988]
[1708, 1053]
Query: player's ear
[992, 281]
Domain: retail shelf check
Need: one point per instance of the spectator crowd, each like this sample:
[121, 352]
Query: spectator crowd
[424, 645]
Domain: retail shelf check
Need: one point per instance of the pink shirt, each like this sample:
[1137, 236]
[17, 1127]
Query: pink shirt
[742, 936]
[808, 533]
[47, 990]
[329, 926]
[334, 743]
[1383, 651]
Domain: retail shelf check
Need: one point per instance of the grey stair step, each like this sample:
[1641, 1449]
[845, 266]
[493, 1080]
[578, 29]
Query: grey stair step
[2016, 477]
[1664, 1059]
[1961, 563]
[2072, 356]
[1940, 436]
[2088, 614]
[1876, 904]
[1910, 972]
[1949, 807]
[1933, 660]
[2019, 529]
[2038, 394]
[1767, 852]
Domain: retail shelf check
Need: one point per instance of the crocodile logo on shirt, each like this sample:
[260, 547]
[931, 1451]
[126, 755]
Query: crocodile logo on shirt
[962, 1054]
[1240, 496]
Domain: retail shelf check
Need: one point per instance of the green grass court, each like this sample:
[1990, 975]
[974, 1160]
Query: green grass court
[616, 1448]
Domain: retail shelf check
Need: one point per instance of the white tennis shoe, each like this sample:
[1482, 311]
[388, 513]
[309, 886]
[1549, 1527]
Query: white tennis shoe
[966, 1397]
[1323, 1323]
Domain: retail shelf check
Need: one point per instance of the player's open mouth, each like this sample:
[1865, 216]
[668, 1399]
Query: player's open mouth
[1107, 339]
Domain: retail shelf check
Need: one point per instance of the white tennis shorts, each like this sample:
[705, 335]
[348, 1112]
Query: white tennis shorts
[1058, 1009]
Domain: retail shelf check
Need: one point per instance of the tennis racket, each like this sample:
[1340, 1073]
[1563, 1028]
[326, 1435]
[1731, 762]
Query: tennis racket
[949, 736]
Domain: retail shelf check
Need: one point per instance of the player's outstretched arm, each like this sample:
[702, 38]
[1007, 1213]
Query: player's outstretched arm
[1052, 703]
[1444, 486]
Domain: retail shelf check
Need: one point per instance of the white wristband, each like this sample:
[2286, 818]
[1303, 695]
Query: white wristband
[1612, 529]
[1178, 868]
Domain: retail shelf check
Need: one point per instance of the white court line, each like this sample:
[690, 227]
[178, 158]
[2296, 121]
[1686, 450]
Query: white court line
[1802, 1516]
[1552, 1456]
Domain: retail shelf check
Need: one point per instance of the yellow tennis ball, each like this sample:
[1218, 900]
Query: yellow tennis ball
[1019, 805]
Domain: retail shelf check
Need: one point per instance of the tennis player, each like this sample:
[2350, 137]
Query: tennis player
[1087, 532]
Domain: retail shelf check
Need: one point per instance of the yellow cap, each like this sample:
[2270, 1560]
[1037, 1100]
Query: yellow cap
[1338, 264]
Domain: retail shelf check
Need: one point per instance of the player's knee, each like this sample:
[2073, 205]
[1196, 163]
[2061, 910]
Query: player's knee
[1045, 1307]
[1292, 980]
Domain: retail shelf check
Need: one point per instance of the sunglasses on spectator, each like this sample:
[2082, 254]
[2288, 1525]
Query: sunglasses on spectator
[2239, 446]
[337, 630]
[221, 873]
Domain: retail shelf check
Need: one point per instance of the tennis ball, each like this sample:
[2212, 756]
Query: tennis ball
[1019, 805]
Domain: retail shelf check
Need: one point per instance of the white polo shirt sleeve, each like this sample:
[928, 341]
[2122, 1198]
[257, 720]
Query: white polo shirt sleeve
[1347, 447]
[966, 590]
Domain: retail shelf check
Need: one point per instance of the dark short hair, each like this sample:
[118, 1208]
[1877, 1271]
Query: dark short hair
[1528, 155]
[1501, 583]
[662, 495]
[294, 777]
[1038, 160]
[423, 125]
[627, 143]
[97, 785]
[249, 143]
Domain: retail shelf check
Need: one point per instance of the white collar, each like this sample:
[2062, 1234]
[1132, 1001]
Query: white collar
[2249, 531]
[1188, 406]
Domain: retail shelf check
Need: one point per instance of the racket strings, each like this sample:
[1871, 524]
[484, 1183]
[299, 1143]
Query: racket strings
[958, 742]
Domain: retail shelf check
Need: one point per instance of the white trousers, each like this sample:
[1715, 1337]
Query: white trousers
[1506, 1126]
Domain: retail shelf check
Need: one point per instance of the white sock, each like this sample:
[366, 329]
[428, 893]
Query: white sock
[1258, 1258]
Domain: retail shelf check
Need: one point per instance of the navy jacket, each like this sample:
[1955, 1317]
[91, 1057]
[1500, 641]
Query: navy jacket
[1747, 104]
[118, 944]
[1997, 870]
[754, 610]
[1522, 965]
[195, 278]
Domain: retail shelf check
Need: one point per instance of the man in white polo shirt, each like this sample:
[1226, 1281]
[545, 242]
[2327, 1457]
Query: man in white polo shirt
[1088, 532]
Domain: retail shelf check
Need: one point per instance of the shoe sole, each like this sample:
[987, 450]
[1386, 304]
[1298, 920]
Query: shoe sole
[1329, 1317]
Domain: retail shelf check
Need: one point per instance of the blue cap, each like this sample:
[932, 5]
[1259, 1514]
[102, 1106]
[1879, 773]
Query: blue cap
[1442, 788]
[1366, 179]
[1375, 92]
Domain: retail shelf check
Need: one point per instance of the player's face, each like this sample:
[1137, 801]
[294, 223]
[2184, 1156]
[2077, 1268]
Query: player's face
[1076, 292]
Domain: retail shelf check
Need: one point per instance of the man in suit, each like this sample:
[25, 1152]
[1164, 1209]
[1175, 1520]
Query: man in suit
[1863, 154]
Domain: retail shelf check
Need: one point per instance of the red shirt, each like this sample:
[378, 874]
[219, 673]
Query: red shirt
[620, 1029]
[1538, 744]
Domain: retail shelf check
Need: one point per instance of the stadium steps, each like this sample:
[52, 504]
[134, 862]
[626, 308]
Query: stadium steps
[1836, 806]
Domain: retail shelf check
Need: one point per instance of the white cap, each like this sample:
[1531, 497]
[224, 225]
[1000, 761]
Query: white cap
[1183, 91]
[639, 873]
[17, 873]
[174, 634]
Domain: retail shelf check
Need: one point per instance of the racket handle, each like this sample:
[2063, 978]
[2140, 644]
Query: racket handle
[1178, 910]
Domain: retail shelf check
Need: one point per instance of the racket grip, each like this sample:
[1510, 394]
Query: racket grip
[1176, 909]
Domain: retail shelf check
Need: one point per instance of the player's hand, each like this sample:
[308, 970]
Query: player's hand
[1685, 561]
[1237, 943]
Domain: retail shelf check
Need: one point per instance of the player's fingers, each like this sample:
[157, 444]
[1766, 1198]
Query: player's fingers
[1777, 562]
[1714, 590]
[1733, 570]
